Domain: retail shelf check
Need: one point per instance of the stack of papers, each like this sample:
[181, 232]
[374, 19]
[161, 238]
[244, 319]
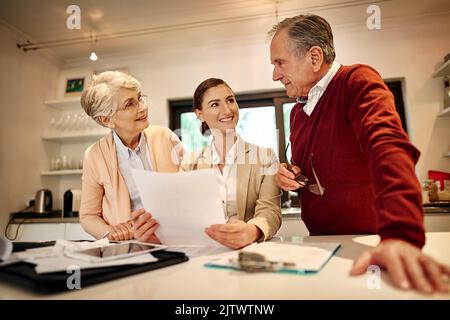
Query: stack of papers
[297, 258]
[52, 259]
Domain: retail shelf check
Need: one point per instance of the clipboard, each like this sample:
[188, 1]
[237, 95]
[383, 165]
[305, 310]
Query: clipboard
[304, 258]
[23, 274]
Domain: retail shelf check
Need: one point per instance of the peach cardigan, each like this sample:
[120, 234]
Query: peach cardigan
[258, 195]
[104, 198]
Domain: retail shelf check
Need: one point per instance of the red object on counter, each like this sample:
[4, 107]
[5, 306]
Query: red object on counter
[439, 176]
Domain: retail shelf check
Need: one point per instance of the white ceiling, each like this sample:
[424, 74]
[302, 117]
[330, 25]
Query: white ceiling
[45, 20]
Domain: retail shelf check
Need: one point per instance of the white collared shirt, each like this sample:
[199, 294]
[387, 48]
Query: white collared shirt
[319, 88]
[228, 179]
[139, 158]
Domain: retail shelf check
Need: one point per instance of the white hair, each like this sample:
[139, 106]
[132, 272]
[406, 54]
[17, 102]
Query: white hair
[99, 99]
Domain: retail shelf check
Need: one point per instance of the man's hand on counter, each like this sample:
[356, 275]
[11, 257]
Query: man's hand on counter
[407, 266]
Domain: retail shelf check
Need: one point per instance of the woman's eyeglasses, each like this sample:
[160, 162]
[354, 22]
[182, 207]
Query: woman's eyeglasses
[315, 188]
[132, 104]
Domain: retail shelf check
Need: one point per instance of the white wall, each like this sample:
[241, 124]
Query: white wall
[26, 80]
[408, 48]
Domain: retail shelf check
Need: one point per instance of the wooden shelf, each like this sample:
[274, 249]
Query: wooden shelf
[65, 104]
[75, 138]
[445, 112]
[443, 70]
[62, 172]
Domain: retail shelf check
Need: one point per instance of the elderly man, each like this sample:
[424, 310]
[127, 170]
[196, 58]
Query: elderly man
[352, 164]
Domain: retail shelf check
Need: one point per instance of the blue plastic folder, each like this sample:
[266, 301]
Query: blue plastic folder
[285, 257]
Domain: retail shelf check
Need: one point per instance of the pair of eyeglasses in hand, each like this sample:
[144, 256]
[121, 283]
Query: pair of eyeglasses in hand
[315, 188]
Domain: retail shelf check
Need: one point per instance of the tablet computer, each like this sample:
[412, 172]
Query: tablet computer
[115, 251]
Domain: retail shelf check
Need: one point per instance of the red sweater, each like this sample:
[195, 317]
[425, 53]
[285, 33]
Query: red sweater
[362, 158]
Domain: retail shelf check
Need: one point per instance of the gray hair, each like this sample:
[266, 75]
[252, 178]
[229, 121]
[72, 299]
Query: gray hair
[306, 31]
[99, 98]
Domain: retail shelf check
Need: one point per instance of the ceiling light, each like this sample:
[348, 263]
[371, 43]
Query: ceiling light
[93, 56]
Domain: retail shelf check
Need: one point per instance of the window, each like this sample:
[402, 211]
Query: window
[396, 88]
[260, 115]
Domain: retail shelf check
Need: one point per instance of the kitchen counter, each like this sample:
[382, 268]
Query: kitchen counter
[294, 212]
[48, 220]
[191, 280]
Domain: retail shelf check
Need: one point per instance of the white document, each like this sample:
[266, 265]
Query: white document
[59, 248]
[52, 259]
[58, 264]
[184, 204]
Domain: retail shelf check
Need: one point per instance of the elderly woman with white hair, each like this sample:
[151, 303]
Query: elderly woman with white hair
[110, 202]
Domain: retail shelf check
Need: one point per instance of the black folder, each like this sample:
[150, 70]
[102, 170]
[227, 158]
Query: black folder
[23, 274]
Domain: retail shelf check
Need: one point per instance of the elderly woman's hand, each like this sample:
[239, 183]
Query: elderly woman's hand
[120, 232]
[144, 226]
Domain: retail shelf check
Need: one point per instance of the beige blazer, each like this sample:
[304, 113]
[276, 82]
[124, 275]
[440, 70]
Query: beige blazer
[258, 195]
[104, 197]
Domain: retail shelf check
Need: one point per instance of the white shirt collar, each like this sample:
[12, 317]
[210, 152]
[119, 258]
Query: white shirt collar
[124, 150]
[319, 88]
[229, 158]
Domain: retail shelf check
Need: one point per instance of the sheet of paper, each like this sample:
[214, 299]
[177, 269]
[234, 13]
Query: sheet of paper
[52, 259]
[61, 263]
[303, 257]
[59, 247]
[183, 203]
[195, 251]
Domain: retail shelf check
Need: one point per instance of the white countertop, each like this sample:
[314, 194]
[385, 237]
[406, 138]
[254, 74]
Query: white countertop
[191, 280]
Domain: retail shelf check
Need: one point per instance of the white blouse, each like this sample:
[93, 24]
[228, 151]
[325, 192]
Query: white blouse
[127, 158]
[227, 180]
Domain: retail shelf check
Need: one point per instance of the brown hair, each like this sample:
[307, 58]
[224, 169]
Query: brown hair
[199, 94]
[306, 31]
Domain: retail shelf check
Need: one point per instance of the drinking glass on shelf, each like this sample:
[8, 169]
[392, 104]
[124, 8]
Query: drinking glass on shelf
[59, 124]
[69, 122]
[80, 164]
[83, 121]
[55, 164]
[53, 124]
[64, 162]
[76, 122]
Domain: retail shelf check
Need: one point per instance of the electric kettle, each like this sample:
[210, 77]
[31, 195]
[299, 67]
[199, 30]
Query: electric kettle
[43, 202]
